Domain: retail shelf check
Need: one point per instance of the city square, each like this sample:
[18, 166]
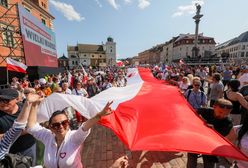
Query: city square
[123, 83]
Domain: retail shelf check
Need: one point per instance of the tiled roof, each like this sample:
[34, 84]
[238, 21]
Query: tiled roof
[90, 48]
[87, 48]
[240, 39]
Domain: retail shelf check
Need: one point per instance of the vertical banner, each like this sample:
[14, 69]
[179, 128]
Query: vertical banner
[38, 40]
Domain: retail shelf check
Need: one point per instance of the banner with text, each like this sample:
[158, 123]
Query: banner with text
[38, 40]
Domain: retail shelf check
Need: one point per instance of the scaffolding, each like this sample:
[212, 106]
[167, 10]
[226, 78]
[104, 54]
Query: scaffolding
[10, 34]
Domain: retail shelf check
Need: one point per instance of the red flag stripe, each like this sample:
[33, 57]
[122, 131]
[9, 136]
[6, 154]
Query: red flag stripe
[15, 68]
[159, 118]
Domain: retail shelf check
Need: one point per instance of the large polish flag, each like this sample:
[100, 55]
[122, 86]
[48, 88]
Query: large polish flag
[13, 65]
[149, 115]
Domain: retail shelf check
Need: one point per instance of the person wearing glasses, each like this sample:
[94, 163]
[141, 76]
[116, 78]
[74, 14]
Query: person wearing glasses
[19, 125]
[10, 109]
[62, 145]
[195, 96]
[218, 119]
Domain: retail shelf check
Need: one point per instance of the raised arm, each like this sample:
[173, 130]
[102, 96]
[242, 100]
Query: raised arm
[23, 116]
[91, 122]
[32, 119]
[13, 133]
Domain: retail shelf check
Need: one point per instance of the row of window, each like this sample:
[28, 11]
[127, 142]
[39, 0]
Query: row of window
[74, 56]
[242, 54]
[209, 41]
[76, 62]
[236, 48]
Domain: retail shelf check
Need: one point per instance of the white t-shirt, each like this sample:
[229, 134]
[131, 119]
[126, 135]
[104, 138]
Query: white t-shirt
[69, 152]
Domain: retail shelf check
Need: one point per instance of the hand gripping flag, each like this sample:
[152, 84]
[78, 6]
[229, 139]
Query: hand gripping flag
[149, 115]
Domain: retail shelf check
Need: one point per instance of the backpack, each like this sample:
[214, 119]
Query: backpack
[190, 90]
[16, 161]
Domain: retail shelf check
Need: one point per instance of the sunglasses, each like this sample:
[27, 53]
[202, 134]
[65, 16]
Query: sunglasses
[57, 125]
[223, 106]
[196, 85]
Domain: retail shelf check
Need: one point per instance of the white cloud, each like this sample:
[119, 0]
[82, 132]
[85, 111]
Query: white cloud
[187, 9]
[98, 3]
[113, 4]
[67, 10]
[144, 4]
[128, 1]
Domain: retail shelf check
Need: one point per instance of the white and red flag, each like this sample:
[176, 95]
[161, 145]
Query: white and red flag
[148, 115]
[13, 65]
[119, 63]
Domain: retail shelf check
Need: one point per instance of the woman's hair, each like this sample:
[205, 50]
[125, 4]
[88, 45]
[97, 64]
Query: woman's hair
[244, 128]
[57, 113]
[234, 85]
[217, 76]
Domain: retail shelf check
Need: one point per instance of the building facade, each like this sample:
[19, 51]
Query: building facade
[151, 56]
[183, 45]
[92, 55]
[177, 48]
[235, 49]
[10, 34]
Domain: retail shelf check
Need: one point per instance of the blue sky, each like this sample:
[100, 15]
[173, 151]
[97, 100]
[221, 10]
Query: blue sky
[137, 25]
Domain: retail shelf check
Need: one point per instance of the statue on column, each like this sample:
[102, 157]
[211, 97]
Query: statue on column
[198, 9]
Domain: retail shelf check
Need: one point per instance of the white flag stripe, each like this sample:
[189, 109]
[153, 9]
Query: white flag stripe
[89, 107]
[121, 94]
[16, 63]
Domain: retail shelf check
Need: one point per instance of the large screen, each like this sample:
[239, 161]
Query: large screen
[38, 40]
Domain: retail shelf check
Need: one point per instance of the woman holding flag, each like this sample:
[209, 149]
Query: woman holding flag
[62, 145]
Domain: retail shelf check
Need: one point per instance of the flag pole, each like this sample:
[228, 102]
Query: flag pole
[7, 76]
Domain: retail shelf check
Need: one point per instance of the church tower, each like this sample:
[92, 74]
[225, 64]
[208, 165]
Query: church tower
[110, 50]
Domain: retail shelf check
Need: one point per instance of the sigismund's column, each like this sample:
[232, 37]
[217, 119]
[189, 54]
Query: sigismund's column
[197, 18]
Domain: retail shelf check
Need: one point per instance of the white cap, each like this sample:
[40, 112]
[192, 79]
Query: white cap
[42, 81]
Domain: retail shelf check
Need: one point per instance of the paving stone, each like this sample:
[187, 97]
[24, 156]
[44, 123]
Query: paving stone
[102, 148]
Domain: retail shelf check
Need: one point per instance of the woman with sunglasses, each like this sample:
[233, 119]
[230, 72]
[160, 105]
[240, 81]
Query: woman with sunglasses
[62, 145]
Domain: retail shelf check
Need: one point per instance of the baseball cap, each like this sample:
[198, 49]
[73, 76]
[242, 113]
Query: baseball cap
[42, 81]
[8, 94]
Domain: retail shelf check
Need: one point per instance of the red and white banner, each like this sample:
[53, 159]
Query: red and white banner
[13, 65]
[149, 115]
[38, 40]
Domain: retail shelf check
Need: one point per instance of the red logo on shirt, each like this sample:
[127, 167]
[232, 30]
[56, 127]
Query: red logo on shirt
[62, 155]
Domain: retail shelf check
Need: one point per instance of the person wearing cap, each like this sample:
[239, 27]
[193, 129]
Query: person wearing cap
[19, 125]
[44, 87]
[218, 119]
[9, 111]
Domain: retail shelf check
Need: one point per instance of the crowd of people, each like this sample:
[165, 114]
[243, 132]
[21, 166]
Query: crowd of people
[218, 94]
[18, 108]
